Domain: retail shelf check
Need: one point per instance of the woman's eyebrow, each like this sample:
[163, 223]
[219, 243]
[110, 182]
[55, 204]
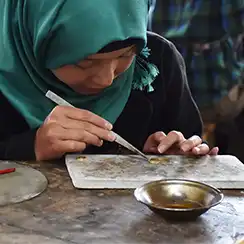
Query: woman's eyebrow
[133, 48]
[80, 66]
[91, 59]
[85, 66]
[123, 54]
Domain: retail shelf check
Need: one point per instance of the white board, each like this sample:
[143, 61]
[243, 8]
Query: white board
[130, 171]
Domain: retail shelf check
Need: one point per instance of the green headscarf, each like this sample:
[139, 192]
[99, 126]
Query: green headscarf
[36, 36]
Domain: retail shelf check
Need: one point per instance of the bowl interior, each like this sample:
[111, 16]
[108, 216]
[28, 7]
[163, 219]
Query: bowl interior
[178, 195]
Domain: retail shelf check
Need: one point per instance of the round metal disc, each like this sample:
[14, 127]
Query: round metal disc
[28, 239]
[21, 185]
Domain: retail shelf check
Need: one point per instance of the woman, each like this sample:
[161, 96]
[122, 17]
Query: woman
[93, 54]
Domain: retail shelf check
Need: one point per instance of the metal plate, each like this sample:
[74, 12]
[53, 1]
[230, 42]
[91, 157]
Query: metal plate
[129, 172]
[21, 185]
[28, 239]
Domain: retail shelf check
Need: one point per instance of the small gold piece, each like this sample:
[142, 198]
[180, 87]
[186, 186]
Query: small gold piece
[159, 160]
[240, 241]
[81, 158]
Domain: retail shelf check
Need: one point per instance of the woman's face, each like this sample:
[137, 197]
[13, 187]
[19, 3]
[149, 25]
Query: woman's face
[96, 72]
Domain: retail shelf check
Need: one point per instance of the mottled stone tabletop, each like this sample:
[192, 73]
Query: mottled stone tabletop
[64, 215]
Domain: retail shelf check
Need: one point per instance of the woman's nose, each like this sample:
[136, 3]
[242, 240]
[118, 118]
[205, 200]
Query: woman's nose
[107, 74]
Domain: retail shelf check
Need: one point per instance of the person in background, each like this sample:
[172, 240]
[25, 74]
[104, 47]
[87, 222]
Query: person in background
[95, 55]
[209, 35]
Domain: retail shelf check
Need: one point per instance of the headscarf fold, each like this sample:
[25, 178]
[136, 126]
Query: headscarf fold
[37, 36]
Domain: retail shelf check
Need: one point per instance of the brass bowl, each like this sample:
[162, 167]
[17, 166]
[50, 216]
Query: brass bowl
[178, 199]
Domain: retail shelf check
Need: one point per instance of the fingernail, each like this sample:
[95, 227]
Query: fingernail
[100, 143]
[109, 126]
[161, 149]
[197, 150]
[111, 136]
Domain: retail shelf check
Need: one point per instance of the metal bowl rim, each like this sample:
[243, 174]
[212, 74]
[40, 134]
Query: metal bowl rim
[136, 193]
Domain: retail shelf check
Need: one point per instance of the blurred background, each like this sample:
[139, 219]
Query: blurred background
[209, 35]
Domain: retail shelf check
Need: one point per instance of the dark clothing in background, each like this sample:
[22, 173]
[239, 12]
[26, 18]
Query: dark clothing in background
[169, 107]
[209, 35]
[229, 137]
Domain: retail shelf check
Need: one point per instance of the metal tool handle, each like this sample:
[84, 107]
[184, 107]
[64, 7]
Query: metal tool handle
[127, 145]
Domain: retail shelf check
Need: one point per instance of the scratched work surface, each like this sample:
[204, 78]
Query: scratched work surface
[65, 215]
[129, 171]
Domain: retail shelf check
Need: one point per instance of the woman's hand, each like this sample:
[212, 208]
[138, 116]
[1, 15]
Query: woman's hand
[67, 130]
[175, 144]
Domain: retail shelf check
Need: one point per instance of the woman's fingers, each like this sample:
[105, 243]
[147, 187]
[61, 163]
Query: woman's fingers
[60, 112]
[175, 144]
[85, 127]
[153, 150]
[214, 151]
[167, 142]
[59, 148]
[80, 136]
[153, 141]
[68, 129]
[82, 120]
[87, 116]
[202, 149]
[48, 144]
[70, 146]
[189, 144]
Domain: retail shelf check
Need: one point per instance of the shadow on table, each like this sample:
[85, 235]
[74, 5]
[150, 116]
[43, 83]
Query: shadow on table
[153, 229]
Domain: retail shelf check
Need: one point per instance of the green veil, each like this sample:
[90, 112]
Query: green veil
[36, 36]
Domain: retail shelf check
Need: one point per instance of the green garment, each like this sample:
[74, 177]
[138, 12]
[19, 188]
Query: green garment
[36, 36]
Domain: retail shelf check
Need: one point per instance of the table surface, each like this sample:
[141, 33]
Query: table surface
[64, 215]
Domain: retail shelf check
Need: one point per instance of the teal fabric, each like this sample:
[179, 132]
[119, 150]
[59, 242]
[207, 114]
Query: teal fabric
[36, 36]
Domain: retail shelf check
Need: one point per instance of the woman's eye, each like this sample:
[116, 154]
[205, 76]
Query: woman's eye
[86, 64]
[129, 55]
